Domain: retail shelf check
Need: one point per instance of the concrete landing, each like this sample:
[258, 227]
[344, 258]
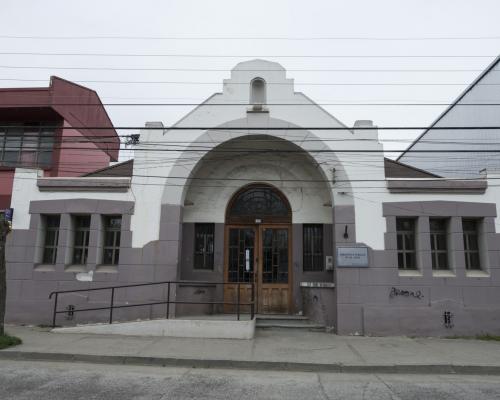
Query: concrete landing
[182, 328]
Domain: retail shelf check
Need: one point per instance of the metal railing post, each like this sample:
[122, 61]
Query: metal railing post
[253, 301]
[168, 300]
[238, 306]
[111, 308]
[55, 312]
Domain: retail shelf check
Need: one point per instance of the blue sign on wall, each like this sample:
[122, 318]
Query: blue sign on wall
[8, 214]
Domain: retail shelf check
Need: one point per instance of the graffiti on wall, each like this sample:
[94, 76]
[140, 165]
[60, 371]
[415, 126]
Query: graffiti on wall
[395, 292]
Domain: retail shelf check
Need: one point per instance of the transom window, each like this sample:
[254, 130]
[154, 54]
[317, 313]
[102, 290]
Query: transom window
[405, 231]
[258, 202]
[22, 146]
[439, 243]
[313, 247]
[112, 234]
[51, 241]
[204, 246]
[471, 243]
[81, 239]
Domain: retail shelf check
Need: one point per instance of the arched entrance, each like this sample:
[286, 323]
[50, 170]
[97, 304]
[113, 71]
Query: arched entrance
[258, 248]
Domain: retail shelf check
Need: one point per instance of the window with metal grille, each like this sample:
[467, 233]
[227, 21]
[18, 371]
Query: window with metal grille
[405, 231]
[26, 146]
[52, 223]
[81, 239]
[204, 246]
[313, 247]
[112, 233]
[471, 243]
[439, 243]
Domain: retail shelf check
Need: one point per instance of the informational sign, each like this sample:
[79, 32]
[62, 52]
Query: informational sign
[352, 257]
[8, 214]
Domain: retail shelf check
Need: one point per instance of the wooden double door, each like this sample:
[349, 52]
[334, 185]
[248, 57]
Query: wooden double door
[260, 254]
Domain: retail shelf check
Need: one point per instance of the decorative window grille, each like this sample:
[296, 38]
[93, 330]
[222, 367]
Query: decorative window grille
[439, 243]
[204, 246]
[258, 202]
[471, 244]
[52, 223]
[405, 231]
[313, 247]
[112, 234]
[81, 239]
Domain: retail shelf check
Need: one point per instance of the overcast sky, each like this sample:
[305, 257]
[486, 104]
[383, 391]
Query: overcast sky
[381, 19]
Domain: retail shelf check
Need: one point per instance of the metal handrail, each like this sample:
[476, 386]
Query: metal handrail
[112, 306]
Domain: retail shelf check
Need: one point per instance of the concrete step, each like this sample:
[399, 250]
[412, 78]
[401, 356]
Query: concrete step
[281, 317]
[287, 322]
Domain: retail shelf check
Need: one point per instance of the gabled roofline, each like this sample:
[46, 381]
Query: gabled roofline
[55, 97]
[451, 106]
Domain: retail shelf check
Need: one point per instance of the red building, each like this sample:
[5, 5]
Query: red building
[62, 129]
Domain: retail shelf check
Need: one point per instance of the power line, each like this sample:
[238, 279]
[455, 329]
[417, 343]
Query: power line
[229, 70]
[183, 149]
[246, 55]
[209, 144]
[243, 104]
[269, 83]
[258, 128]
[285, 38]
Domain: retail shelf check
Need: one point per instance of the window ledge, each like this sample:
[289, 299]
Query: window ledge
[477, 274]
[75, 268]
[414, 273]
[45, 267]
[106, 268]
[443, 274]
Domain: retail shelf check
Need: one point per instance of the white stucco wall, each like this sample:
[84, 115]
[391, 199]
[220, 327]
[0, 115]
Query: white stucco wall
[295, 174]
[25, 190]
[370, 223]
[156, 162]
[350, 178]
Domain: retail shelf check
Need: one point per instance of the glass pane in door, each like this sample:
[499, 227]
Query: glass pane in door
[241, 254]
[275, 255]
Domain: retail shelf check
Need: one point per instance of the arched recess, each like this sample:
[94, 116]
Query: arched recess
[258, 91]
[177, 183]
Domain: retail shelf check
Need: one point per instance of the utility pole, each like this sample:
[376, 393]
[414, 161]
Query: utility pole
[4, 230]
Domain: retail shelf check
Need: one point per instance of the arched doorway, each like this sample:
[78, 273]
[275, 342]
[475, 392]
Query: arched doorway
[258, 248]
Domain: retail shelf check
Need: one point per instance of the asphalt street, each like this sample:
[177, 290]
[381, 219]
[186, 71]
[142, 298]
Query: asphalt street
[49, 380]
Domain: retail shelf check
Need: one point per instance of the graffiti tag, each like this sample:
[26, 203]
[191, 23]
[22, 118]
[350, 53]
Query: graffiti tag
[406, 293]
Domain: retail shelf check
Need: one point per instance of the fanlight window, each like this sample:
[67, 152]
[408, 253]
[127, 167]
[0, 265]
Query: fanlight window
[259, 202]
[258, 91]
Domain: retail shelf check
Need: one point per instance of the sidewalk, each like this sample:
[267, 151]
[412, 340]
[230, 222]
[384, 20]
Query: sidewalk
[270, 350]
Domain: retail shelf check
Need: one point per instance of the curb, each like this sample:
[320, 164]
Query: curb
[443, 369]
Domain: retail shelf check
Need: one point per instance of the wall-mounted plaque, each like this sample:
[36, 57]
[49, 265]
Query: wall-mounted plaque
[352, 257]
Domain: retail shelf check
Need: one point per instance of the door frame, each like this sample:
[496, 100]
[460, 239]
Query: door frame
[258, 256]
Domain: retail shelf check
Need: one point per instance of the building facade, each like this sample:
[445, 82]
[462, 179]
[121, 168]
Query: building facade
[51, 128]
[260, 184]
